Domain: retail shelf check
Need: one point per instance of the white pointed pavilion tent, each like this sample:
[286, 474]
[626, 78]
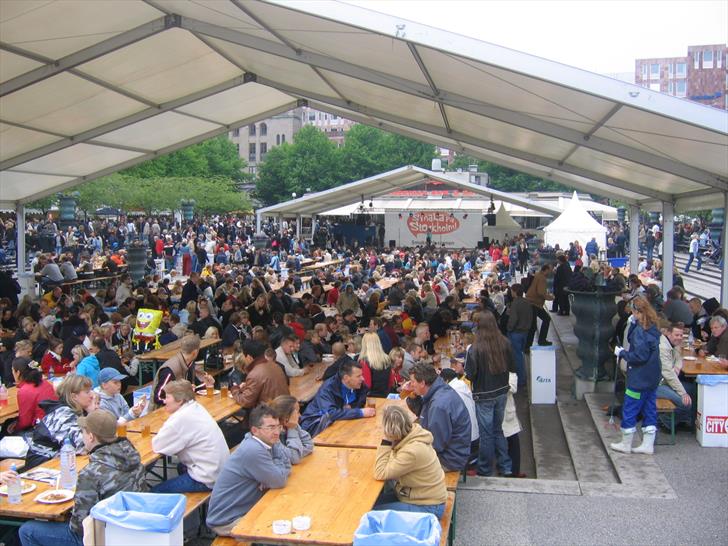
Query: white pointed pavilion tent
[575, 224]
[505, 226]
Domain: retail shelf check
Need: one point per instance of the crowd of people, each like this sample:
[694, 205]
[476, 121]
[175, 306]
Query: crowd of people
[381, 341]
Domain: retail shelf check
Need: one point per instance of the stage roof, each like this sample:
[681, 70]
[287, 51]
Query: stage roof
[90, 87]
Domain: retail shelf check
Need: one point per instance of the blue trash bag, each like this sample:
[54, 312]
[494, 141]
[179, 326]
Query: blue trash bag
[151, 512]
[394, 528]
[706, 379]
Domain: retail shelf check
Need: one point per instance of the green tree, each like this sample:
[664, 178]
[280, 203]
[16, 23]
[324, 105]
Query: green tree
[505, 179]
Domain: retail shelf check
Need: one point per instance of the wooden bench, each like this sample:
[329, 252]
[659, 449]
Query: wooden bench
[229, 541]
[667, 406]
[452, 479]
[447, 521]
[195, 500]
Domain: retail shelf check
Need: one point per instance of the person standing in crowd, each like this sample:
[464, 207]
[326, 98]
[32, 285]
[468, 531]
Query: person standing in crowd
[537, 296]
[520, 318]
[487, 365]
[643, 377]
[694, 250]
[562, 278]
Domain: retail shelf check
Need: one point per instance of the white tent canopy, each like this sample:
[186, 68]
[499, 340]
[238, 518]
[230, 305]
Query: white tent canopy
[575, 224]
[505, 226]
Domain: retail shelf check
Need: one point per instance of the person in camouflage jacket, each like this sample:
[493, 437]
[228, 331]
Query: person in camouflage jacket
[114, 465]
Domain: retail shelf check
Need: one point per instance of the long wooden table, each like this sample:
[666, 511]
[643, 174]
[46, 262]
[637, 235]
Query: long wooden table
[319, 265]
[305, 387]
[164, 353]
[315, 488]
[702, 366]
[30, 509]
[219, 408]
[11, 410]
[364, 433]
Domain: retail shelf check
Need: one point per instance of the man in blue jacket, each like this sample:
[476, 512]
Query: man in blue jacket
[342, 396]
[444, 414]
[260, 463]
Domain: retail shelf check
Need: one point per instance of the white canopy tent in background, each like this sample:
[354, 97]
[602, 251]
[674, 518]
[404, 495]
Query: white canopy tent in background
[575, 224]
[88, 88]
[505, 226]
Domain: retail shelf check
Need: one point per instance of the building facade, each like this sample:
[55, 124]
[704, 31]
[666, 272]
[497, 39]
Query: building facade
[700, 76]
[335, 127]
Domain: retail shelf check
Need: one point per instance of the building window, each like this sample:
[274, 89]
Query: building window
[251, 129]
[263, 150]
[237, 148]
[654, 71]
[696, 60]
[644, 71]
[680, 70]
[680, 88]
[708, 58]
[251, 151]
[278, 140]
[655, 87]
[283, 139]
[670, 70]
[718, 58]
[236, 132]
[311, 116]
[670, 88]
[263, 130]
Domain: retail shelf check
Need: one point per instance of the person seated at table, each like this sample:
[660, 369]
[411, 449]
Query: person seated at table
[297, 441]
[193, 436]
[670, 387]
[180, 366]
[31, 390]
[265, 378]
[110, 398]
[718, 342]
[114, 465]
[205, 320]
[348, 300]
[260, 463]
[376, 367]
[342, 396]
[338, 350]
[312, 349]
[86, 362]
[53, 359]
[286, 357]
[350, 321]
[442, 412]
[109, 358]
[406, 456]
[75, 398]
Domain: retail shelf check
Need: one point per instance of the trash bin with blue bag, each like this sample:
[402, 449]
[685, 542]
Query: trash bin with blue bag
[395, 528]
[142, 519]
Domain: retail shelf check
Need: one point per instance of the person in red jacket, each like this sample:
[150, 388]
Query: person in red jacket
[332, 296]
[32, 389]
[52, 359]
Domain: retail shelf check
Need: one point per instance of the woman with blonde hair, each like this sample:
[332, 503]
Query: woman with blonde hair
[376, 367]
[429, 300]
[406, 456]
[75, 398]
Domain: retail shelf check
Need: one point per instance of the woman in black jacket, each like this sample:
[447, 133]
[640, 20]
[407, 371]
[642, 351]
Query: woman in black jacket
[487, 364]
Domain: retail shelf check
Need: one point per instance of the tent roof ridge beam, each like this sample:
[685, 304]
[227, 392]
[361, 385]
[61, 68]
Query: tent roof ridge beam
[266, 26]
[598, 125]
[42, 173]
[90, 53]
[112, 87]
[471, 140]
[31, 128]
[120, 123]
[120, 147]
[397, 83]
[135, 161]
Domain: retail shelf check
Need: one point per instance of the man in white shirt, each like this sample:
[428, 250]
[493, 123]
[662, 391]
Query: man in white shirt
[286, 356]
[193, 436]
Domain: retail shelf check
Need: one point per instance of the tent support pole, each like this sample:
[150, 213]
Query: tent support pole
[724, 246]
[668, 243]
[20, 236]
[634, 238]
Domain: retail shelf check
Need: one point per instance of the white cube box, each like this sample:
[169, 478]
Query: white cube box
[711, 427]
[543, 375]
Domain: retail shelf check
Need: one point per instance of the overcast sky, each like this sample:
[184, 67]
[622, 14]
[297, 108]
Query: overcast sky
[600, 36]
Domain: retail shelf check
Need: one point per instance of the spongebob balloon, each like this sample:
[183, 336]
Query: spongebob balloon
[146, 331]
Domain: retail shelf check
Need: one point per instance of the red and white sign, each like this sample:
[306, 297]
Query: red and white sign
[716, 425]
[452, 230]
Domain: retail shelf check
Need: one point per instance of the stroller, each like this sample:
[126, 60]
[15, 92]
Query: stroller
[713, 253]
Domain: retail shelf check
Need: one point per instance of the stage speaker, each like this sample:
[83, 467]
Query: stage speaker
[392, 243]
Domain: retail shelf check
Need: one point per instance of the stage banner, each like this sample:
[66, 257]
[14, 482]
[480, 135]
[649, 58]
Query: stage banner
[459, 230]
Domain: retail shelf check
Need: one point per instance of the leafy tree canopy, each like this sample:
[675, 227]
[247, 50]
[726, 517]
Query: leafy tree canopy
[505, 179]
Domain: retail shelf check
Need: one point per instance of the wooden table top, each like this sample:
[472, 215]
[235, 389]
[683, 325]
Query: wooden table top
[364, 433]
[316, 489]
[31, 509]
[305, 387]
[217, 407]
[702, 366]
[168, 351]
[11, 410]
[319, 265]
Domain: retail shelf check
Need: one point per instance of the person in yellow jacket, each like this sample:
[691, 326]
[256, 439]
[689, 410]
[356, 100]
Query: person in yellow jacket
[407, 457]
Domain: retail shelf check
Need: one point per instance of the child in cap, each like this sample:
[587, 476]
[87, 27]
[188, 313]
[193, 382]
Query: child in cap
[111, 400]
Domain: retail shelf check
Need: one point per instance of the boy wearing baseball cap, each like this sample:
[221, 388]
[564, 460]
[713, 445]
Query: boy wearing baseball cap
[114, 465]
[110, 398]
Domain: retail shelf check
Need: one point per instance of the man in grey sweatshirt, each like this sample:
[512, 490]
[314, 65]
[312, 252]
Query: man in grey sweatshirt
[260, 463]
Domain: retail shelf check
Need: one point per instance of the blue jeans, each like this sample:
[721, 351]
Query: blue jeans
[181, 484]
[490, 415]
[388, 501]
[683, 414]
[518, 342]
[43, 533]
[691, 258]
[632, 407]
